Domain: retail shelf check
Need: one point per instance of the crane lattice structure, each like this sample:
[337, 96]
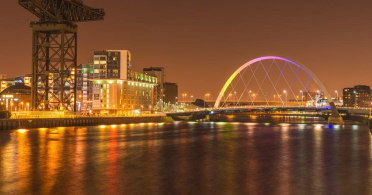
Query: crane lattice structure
[54, 50]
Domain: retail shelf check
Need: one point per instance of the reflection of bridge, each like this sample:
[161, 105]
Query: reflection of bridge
[211, 103]
[270, 75]
[214, 114]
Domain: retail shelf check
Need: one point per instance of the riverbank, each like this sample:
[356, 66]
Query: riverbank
[8, 124]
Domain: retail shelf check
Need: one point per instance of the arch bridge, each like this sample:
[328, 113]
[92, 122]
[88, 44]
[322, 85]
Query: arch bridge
[275, 79]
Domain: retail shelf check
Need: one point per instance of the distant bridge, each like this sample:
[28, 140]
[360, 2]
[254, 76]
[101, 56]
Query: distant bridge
[214, 113]
[274, 78]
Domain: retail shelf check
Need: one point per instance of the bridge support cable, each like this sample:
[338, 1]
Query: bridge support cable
[307, 87]
[246, 88]
[263, 80]
[290, 88]
[294, 77]
[233, 88]
[307, 84]
[267, 75]
[264, 84]
[259, 86]
[276, 83]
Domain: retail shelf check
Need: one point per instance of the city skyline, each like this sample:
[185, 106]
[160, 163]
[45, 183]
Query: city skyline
[198, 41]
[185, 97]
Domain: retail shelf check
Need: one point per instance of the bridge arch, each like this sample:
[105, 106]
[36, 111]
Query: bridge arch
[301, 66]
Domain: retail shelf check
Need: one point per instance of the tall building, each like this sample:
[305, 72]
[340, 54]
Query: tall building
[171, 92]
[159, 73]
[114, 87]
[84, 86]
[111, 64]
[358, 96]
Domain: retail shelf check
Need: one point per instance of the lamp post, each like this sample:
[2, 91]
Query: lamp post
[285, 92]
[250, 96]
[302, 97]
[207, 95]
[254, 97]
[192, 98]
[184, 95]
[336, 96]
[234, 99]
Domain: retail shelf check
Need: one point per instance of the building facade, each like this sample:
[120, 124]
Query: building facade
[159, 73]
[111, 64]
[358, 96]
[125, 97]
[16, 97]
[170, 92]
[107, 85]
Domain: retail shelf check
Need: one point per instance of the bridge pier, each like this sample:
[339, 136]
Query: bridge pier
[335, 120]
[335, 117]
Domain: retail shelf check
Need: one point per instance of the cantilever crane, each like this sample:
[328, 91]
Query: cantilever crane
[54, 50]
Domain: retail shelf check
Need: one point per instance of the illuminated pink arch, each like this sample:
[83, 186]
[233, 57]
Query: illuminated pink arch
[303, 67]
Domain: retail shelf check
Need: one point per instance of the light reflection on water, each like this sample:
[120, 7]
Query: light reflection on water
[191, 158]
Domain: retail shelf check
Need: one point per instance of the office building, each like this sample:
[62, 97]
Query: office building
[159, 73]
[358, 96]
[115, 88]
[111, 64]
[170, 92]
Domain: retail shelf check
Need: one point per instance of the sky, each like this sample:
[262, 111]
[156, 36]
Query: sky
[202, 42]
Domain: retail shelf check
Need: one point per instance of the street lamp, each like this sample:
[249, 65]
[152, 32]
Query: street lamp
[337, 96]
[254, 96]
[302, 97]
[234, 99]
[250, 96]
[285, 92]
[208, 94]
[192, 98]
[184, 95]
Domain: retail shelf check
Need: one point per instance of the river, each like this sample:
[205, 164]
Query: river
[256, 156]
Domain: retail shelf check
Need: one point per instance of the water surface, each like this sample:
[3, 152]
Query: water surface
[189, 158]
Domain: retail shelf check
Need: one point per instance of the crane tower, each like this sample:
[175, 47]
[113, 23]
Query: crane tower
[54, 50]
